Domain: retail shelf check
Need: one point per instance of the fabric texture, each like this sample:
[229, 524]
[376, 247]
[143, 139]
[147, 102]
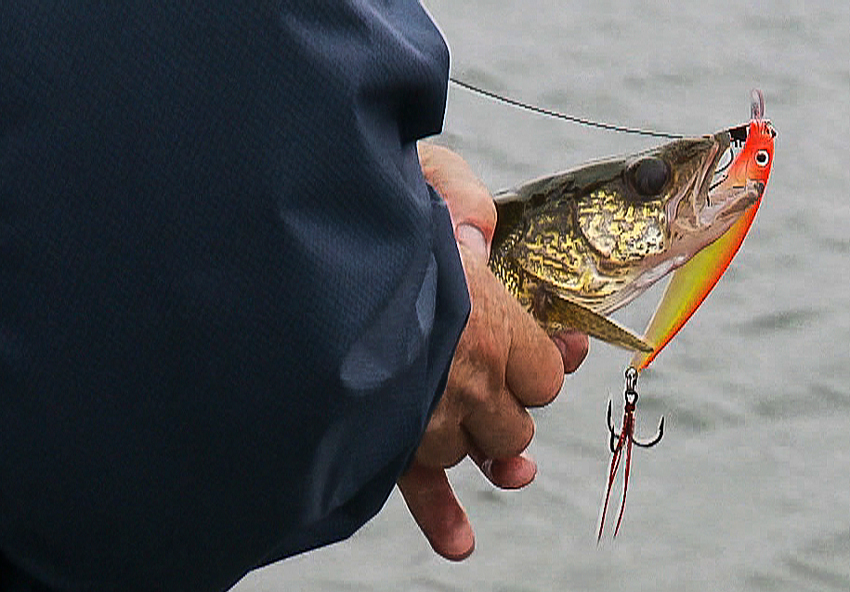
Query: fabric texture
[228, 299]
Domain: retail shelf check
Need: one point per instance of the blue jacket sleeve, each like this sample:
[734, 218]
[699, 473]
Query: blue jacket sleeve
[228, 299]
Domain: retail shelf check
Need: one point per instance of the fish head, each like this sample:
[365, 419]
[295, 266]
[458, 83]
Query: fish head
[639, 217]
[653, 216]
[600, 234]
[676, 200]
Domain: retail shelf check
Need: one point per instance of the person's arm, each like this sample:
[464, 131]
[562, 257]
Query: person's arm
[504, 363]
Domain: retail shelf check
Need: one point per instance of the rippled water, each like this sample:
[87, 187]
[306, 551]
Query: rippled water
[749, 489]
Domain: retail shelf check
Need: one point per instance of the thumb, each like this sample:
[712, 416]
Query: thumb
[468, 200]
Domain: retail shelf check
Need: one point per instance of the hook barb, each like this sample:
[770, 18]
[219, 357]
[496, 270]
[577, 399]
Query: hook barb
[655, 439]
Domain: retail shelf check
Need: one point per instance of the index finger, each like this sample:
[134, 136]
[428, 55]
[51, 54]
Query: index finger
[437, 511]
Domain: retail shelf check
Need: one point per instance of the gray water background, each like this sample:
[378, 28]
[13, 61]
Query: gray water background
[750, 488]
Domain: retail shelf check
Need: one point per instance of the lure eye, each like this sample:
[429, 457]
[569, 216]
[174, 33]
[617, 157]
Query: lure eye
[649, 176]
[762, 158]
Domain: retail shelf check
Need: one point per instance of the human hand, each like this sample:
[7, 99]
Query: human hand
[504, 363]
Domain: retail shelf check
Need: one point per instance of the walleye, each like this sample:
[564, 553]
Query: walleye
[575, 246]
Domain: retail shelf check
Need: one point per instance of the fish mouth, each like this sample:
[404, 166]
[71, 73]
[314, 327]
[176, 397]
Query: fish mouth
[737, 137]
[721, 171]
[697, 191]
[731, 191]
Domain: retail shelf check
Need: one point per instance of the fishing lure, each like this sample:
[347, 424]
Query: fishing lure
[691, 284]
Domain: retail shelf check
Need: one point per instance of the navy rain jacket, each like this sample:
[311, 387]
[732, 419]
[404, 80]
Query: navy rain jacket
[228, 299]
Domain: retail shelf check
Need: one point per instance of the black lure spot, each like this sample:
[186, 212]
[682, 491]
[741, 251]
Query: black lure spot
[649, 176]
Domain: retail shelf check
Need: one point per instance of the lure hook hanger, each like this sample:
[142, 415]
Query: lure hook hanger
[631, 396]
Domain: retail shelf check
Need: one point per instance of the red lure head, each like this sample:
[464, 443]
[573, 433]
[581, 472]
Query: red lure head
[754, 162]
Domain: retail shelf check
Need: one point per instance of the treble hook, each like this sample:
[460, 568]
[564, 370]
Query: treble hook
[624, 439]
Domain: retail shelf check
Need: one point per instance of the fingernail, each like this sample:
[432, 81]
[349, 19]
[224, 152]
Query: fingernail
[511, 473]
[460, 544]
[472, 238]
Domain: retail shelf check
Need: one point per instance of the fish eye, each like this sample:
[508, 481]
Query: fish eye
[649, 176]
[762, 158]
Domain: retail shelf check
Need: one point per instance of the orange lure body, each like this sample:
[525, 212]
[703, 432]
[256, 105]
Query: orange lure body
[692, 282]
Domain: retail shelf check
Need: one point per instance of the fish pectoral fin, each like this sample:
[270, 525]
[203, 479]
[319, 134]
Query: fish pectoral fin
[565, 313]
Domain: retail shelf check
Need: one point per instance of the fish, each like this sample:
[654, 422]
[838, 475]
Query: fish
[575, 246]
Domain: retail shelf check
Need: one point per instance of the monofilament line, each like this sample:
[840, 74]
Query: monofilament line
[564, 116]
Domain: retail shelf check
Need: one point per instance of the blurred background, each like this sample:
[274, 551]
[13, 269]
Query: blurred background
[749, 489]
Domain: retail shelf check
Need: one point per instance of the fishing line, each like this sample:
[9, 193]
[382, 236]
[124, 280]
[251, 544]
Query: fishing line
[564, 116]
